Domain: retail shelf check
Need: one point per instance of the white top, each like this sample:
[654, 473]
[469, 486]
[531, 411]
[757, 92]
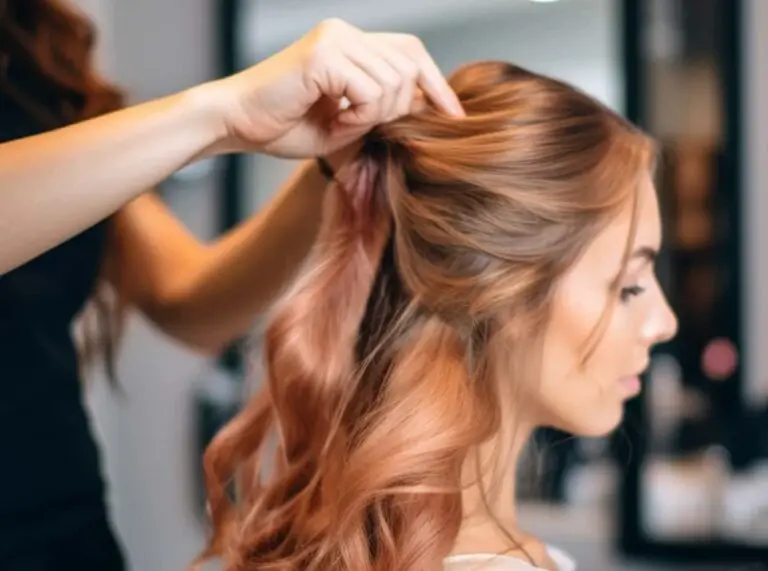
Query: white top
[492, 562]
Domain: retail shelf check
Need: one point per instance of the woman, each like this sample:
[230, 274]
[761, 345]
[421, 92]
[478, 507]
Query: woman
[473, 279]
[73, 230]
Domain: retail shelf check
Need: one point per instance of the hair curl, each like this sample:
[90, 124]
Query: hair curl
[444, 241]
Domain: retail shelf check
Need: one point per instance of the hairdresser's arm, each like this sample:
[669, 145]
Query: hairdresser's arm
[206, 296]
[54, 185]
[57, 184]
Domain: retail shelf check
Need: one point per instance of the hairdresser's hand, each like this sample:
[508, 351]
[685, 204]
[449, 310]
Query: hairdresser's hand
[327, 90]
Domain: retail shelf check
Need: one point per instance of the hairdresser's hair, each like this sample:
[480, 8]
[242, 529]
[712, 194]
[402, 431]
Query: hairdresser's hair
[47, 69]
[439, 254]
[46, 51]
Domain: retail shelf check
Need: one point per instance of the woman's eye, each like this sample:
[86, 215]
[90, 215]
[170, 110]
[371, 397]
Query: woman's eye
[630, 291]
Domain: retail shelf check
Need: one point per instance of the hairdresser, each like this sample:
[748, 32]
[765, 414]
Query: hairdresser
[77, 218]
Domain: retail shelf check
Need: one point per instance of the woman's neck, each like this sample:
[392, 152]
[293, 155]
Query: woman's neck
[490, 475]
[490, 520]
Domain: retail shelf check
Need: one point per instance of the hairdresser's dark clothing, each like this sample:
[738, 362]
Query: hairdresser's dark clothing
[53, 515]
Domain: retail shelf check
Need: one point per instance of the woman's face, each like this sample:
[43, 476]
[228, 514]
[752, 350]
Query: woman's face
[587, 398]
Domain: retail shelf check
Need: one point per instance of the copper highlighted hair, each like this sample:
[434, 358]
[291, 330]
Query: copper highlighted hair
[387, 362]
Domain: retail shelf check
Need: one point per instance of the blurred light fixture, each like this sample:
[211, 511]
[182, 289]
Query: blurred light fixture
[543, 1]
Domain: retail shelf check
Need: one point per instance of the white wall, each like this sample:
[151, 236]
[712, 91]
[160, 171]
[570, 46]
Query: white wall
[575, 41]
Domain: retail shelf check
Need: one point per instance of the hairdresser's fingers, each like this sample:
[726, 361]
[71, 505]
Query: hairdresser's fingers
[407, 72]
[347, 80]
[431, 79]
[404, 100]
[418, 102]
[370, 60]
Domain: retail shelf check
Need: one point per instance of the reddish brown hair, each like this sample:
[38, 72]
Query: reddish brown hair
[443, 242]
[47, 50]
[47, 68]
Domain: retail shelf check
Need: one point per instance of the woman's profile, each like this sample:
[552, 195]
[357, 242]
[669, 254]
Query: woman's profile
[474, 279]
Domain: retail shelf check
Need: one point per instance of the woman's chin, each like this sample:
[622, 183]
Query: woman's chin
[593, 425]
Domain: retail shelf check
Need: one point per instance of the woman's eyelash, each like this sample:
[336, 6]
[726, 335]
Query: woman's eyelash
[631, 291]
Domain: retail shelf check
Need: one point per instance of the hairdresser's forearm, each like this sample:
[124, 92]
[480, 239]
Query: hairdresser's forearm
[54, 185]
[243, 272]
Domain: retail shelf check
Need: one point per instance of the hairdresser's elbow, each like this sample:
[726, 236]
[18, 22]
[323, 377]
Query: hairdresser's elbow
[200, 326]
[185, 327]
[198, 335]
[193, 337]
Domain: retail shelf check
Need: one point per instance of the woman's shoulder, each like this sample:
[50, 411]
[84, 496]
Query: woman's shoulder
[491, 562]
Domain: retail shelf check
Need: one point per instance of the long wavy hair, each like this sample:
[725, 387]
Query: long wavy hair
[387, 363]
[47, 69]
